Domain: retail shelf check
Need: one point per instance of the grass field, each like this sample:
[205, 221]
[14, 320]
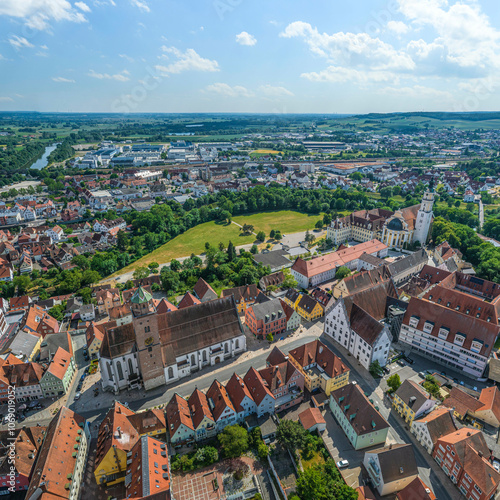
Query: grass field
[265, 151]
[285, 220]
[194, 239]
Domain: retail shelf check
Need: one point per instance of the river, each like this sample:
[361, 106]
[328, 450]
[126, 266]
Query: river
[43, 161]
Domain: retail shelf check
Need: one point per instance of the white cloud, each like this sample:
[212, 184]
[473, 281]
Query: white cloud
[339, 74]
[6, 99]
[19, 42]
[83, 6]
[44, 47]
[38, 14]
[271, 91]
[126, 57]
[351, 50]
[189, 60]
[417, 92]
[120, 77]
[398, 27]
[245, 38]
[61, 79]
[99, 3]
[141, 5]
[227, 90]
[465, 36]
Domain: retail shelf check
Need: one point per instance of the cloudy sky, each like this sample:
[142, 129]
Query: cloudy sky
[276, 56]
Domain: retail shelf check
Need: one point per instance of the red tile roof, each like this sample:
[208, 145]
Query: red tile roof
[311, 417]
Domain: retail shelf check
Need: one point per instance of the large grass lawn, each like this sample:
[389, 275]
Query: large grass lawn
[194, 239]
[286, 221]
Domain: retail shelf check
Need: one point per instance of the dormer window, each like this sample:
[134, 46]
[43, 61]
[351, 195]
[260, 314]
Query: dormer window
[428, 326]
[414, 321]
[459, 339]
[476, 346]
[448, 304]
[443, 333]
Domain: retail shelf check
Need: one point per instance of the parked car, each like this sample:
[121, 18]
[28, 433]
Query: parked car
[342, 464]
[387, 369]
[401, 362]
[78, 396]
[422, 374]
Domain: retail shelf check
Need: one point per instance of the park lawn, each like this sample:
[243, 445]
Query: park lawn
[287, 221]
[316, 459]
[192, 241]
[265, 151]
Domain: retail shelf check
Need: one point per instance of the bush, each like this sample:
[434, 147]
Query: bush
[262, 451]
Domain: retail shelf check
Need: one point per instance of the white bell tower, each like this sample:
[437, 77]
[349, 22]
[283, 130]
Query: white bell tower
[424, 219]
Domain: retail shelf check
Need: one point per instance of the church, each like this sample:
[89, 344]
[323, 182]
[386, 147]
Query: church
[159, 348]
[395, 229]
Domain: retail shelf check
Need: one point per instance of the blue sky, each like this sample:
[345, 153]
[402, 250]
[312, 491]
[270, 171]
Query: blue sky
[276, 56]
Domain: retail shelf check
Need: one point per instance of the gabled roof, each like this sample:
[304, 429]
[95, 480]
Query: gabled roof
[117, 431]
[362, 415]
[311, 417]
[490, 398]
[439, 423]
[55, 459]
[276, 357]
[462, 402]
[202, 288]
[466, 437]
[397, 462]
[412, 394]
[257, 386]
[60, 363]
[416, 490]
[245, 292]
[165, 306]
[317, 352]
[117, 341]
[454, 321]
[188, 300]
[278, 375]
[202, 325]
[237, 390]
[480, 470]
[218, 399]
[198, 405]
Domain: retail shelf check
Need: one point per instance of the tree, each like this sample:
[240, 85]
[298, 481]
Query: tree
[394, 382]
[278, 236]
[233, 440]
[81, 261]
[270, 338]
[90, 277]
[262, 451]
[342, 272]
[175, 265]
[22, 283]
[254, 249]
[153, 267]
[225, 216]
[271, 234]
[289, 281]
[319, 224]
[291, 434]
[141, 273]
[375, 368]
[261, 236]
[170, 280]
[457, 203]
[324, 482]
[431, 386]
[247, 228]
[231, 251]
[327, 219]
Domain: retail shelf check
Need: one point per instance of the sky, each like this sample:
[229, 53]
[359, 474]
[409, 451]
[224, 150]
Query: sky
[266, 56]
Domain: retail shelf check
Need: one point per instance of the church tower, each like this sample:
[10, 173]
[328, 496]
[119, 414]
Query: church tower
[424, 219]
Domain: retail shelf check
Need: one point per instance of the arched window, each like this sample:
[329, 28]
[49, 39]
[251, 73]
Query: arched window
[130, 367]
[226, 348]
[237, 344]
[170, 372]
[120, 370]
[193, 359]
[204, 356]
[110, 372]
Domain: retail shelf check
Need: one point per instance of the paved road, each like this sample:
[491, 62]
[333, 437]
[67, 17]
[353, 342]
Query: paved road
[95, 409]
[429, 470]
[481, 214]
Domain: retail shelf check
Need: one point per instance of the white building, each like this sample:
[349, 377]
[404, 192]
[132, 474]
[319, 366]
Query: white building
[361, 331]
